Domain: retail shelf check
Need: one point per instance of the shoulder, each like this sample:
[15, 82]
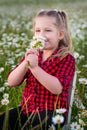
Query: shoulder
[69, 57]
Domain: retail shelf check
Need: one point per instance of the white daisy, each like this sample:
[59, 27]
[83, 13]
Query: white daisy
[37, 42]
[2, 89]
[76, 55]
[52, 127]
[6, 95]
[81, 122]
[58, 119]
[1, 69]
[61, 110]
[86, 95]
[78, 71]
[4, 101]
[6, 84]
[83, 80]
[85, 65]
[75, 126]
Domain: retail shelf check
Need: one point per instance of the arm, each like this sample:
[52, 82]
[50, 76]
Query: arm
[17, 75]
[62, 78]
[47, 80]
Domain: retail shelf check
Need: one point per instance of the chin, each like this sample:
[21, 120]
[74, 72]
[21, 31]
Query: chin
[47, 49]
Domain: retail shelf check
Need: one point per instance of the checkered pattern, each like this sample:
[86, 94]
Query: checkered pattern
[36, 96]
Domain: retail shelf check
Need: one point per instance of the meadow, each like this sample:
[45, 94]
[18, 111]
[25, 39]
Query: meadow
[16, 30]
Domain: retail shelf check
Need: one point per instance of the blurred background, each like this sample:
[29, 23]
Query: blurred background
[16, 30]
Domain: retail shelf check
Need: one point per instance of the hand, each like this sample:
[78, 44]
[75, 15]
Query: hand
[31, 56]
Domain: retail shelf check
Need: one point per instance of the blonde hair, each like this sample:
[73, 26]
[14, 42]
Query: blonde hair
[65, 44]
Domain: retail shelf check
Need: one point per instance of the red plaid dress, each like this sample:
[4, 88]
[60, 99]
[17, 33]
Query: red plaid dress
[37, 97]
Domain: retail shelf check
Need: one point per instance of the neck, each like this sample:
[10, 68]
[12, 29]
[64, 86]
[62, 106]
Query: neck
[46, 54]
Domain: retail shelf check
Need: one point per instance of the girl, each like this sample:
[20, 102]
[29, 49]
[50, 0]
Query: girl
[49, 74]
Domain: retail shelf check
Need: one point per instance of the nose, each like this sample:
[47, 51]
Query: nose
[42, 34]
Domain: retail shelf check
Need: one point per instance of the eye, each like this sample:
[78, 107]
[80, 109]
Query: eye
[48, 30]
[37, 30]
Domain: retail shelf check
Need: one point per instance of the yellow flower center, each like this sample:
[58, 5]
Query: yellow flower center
[58, 121]
[75, 126]
[83, 81]
[5, 102]
[51, 128]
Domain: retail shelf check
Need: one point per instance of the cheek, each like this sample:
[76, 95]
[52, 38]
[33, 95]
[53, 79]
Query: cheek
[50, 36]
[53, 39]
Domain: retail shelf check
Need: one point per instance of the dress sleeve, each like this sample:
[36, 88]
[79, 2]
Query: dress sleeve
[66, 70]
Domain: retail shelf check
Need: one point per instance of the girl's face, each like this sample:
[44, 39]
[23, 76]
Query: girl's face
[46, 27]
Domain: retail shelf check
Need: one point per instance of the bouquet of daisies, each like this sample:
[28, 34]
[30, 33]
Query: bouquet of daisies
[37, 42]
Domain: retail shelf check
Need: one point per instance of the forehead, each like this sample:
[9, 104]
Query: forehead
[48, 21]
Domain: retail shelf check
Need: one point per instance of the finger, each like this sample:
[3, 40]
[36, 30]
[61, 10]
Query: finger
[32, 51]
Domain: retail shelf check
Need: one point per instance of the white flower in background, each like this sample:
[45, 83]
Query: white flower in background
[58, 119]
[78, 71]
[1, 69]
[81, 122]
[6, 95]
[84, 113]
[82, 80]
[23, 34]
[82, 129]
[85, 65]
[81, 57]
[61, 110]
[83, 107]
[4, 35]
[86, 95]
[79, 104]
[6, 84]
[5, 101]
[52, 127]
[75, 126]
[76, 55]
[9, 43]
[15, 40]
[2, 89]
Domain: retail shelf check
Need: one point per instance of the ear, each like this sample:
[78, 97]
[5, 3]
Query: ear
[61, 34]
